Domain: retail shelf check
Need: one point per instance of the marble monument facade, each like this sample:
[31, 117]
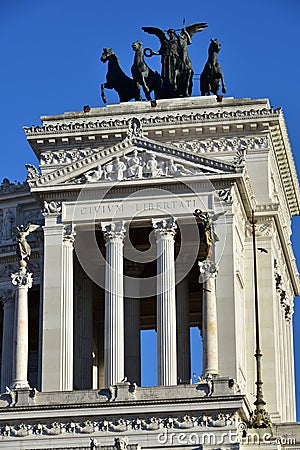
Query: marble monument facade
[120, 250]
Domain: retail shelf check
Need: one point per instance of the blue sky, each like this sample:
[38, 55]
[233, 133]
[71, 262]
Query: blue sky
[50, 62]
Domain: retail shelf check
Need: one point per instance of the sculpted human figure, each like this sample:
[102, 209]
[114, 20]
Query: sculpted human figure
[116, 169]
[176, 71]
[152, 170]
[207, 220]
[8, 220]
[176, 169]
[94, 175]
[134, 165]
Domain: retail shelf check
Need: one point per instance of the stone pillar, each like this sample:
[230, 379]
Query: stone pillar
[166, 302]
[114, 233]
[67, 309]
[57, 305]
[7, 298]
[23, 281]
[183, 331]
[208, 272]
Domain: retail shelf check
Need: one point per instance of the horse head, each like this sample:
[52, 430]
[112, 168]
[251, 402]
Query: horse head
[214, 46]
[106, 54]
[137, 46]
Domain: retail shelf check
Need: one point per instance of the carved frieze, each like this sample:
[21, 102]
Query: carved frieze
[82, 126]
[54, 158]
[154, 423]
[139, 165]
[237, 145]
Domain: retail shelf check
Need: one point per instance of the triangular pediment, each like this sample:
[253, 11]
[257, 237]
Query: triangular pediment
[136, 157]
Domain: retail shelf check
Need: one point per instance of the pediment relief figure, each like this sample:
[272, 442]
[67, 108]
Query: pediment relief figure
[138, 165]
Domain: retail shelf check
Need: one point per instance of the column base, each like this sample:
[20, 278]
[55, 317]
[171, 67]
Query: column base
[20, 385]
[213, 372]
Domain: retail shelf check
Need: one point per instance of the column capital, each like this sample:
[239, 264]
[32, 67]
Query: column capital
[6, 296]
[113, 230]
[165, 227]
[207, 269]
[22, 278]
[69, 234]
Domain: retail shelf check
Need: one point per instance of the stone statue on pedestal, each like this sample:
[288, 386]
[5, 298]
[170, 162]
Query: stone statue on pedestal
[23, 247]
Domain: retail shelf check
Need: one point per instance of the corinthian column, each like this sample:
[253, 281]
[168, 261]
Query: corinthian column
[166, 302]
[208, 273]
[23, 281]
[114, 233]
[7, 298]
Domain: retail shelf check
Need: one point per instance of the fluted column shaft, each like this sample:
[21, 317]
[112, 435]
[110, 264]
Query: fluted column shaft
[208, 272]
[67, 309]
[7, 298]
[23, 281]
[114, 233]
[166, 302]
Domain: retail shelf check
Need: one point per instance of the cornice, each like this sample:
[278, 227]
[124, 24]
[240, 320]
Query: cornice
[286, 165]
[82, 125]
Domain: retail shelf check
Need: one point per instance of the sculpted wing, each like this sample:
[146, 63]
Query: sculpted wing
[32, 227]
[216, 216]
[157, 31]
[195, 28]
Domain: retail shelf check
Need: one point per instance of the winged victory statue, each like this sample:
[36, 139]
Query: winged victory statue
[176, 71]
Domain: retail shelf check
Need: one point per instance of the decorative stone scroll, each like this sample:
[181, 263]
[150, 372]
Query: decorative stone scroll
[52, 207]
[22, 278]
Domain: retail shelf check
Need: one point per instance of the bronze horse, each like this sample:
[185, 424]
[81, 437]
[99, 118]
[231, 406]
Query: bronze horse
[149, 79]
[116, 79]
[212, 73]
